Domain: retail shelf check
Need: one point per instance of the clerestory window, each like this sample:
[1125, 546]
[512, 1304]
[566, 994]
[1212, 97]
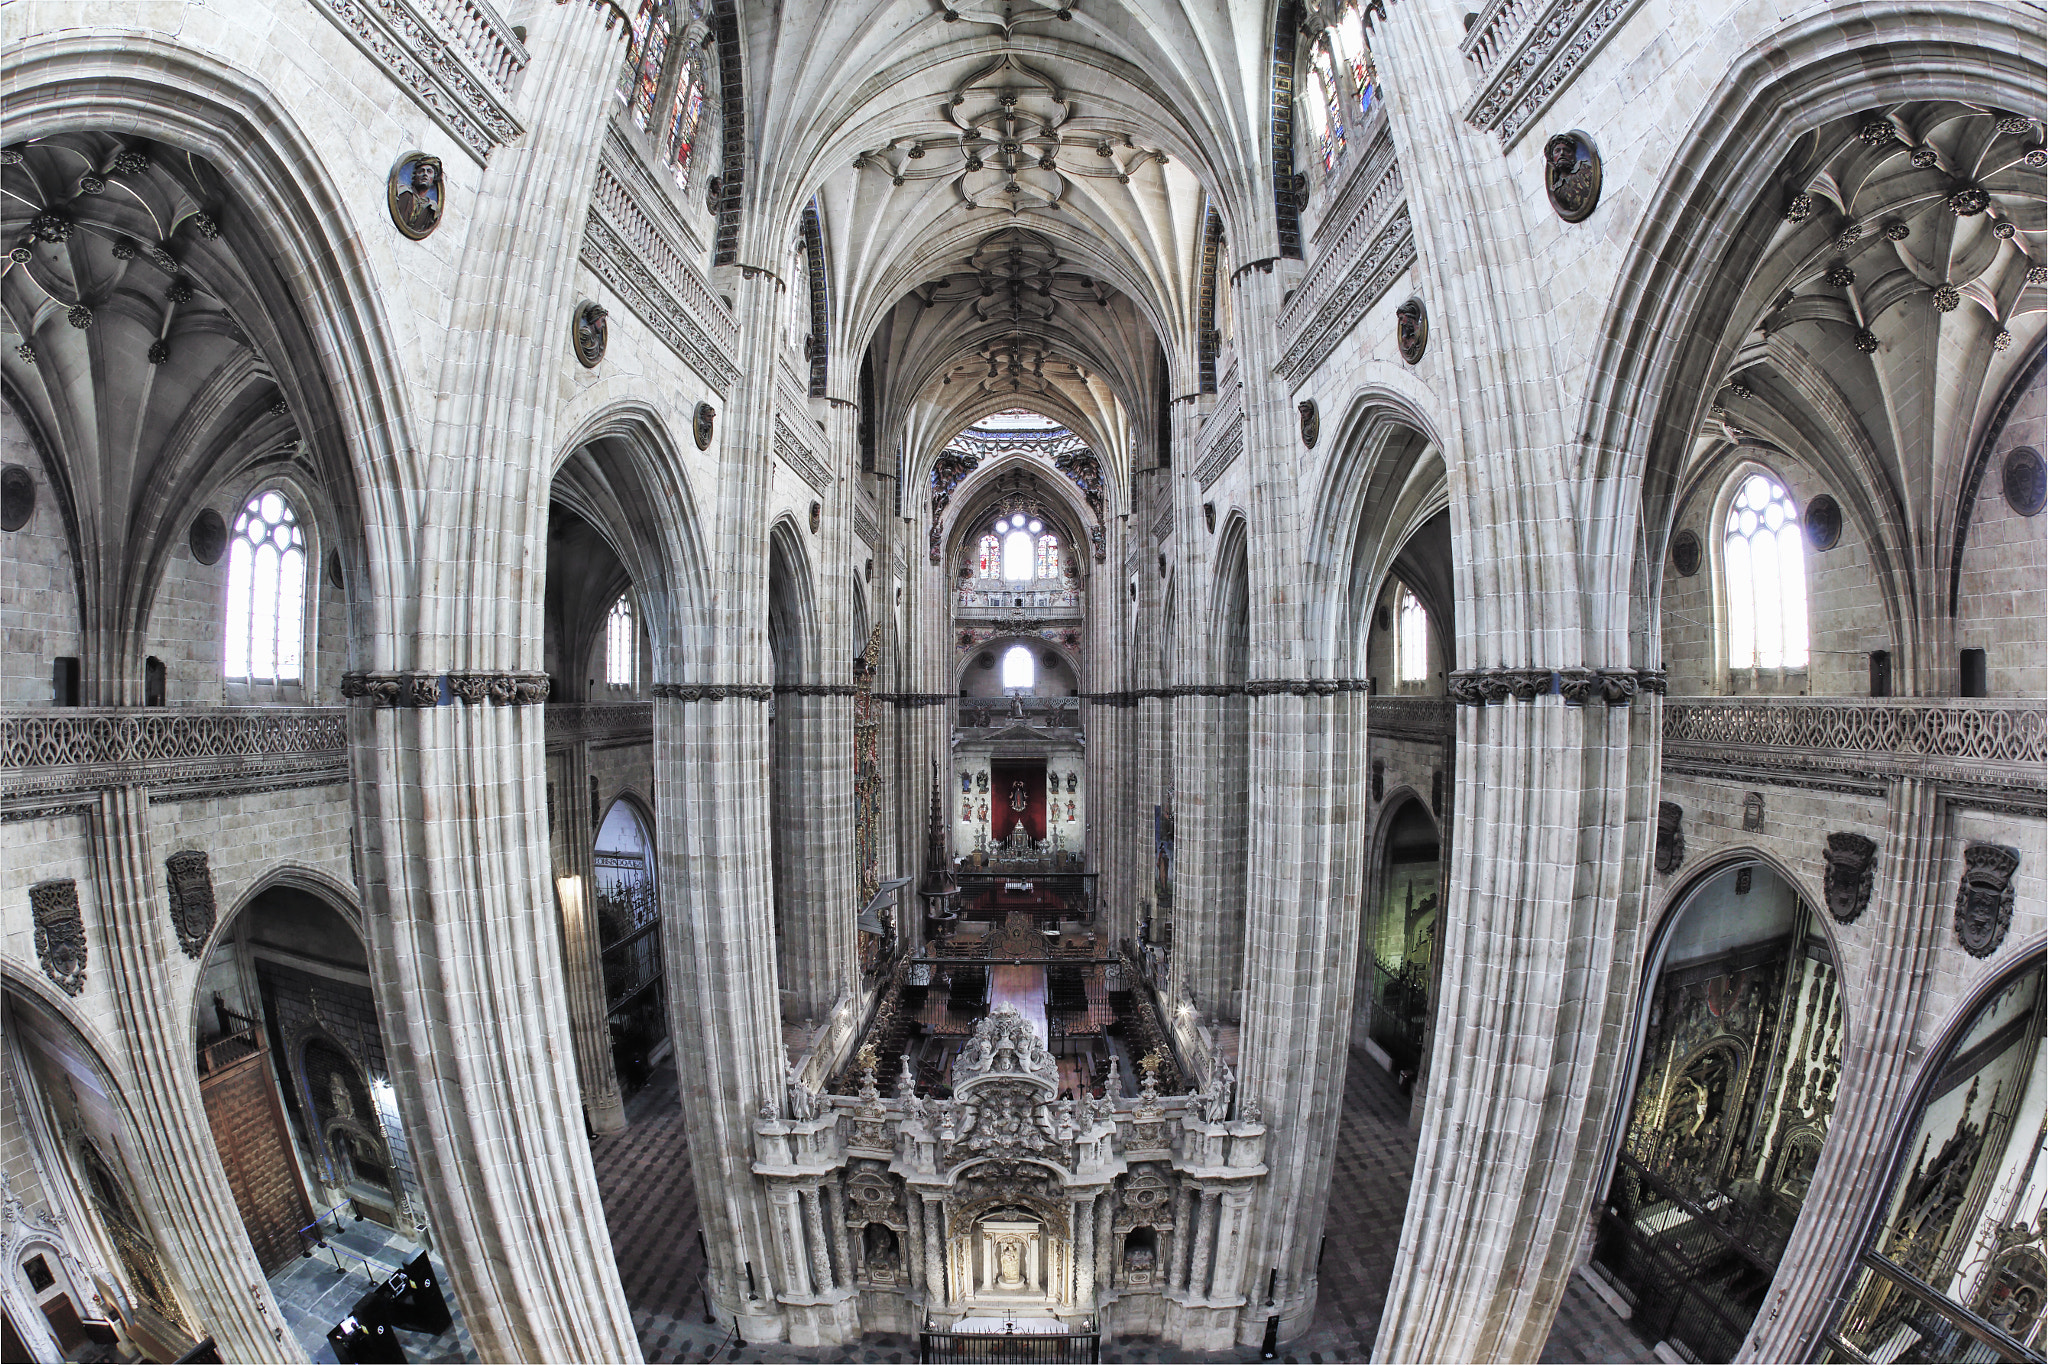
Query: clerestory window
[1765, 566]
[1019, 668]
[621, 645]
[266, 616]
[1020, 546]
[1411, 642]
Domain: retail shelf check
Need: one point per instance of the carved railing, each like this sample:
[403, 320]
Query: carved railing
[600, 722]
[1425, 718]
[1523, 53]
[52, 759]
[1010, 599]
[485, 37]
[1363, 243]
[457, 60]
[1989, 752]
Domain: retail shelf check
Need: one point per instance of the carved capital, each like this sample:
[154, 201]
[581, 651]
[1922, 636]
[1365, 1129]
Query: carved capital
[470, 688]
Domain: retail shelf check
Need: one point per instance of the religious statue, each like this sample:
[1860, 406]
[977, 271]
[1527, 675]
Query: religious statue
[1017, 708]
[1070, 810]
[1216, 1099]
[338, 1096]
[981, 812]
[1009, 1266]
[1018, 799]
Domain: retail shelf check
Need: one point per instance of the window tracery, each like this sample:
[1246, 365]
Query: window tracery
[666, 83]
[1325, 111]
[1765, 569]
[1411, 642]
[266, 614]
[621, 645]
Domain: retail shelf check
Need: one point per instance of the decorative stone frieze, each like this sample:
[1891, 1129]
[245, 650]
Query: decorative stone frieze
[1578, 686]
[1354, 272]
[1431, 719]
[1221, 453]
[694, 692]
[1524, 54]
[60, 933]
[51, 761]
[190, 884]
[792, 450]
[500, 689]
[465, 86]
[1984, 898]
[1851, 875]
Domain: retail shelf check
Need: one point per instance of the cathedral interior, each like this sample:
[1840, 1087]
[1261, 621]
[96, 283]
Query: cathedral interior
[1023, 680]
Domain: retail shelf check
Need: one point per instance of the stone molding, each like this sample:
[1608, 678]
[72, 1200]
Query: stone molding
[815, 689]
[865, 528]
[1350, 278]
[1990, 756]
[455, 58]
[636, 243]
[1257, 687]
[1578, 686]
[599, 722]
[1524, 54]
[1425, 718]
[693, 692]
[1222, 453]
[792, 450]
[55, 760]
[420, 690]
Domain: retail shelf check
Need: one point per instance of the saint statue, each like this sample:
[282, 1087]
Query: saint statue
[1009, 1266]
[1018, 800]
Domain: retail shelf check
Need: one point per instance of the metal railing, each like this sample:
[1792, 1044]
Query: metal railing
[1009, 1348]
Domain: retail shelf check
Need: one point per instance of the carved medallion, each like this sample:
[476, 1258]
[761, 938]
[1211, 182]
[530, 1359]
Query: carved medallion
[417, 194]
[1571, 176]
[208, 538]
[1670, 838]
[1311, 422]
[2026, 482]
[590, 331]
[1823, 522]
[192, 908]
[817, 515]
[60, 933]
[1209, 517]
[701, 423]
[1984, 900]
[1411, 330]
[1753, 813]
[18, 497]
[1851, 873]
[1685, 554]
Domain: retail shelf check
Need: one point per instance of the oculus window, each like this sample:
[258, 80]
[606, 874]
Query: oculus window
[1766, 577]
[266, 620]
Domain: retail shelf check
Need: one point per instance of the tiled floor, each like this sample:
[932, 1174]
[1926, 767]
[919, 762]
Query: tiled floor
[644, 1174]
[316, 1292]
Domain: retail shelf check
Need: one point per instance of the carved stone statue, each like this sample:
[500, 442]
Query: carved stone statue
[1009, 1266]
[1216, 1099]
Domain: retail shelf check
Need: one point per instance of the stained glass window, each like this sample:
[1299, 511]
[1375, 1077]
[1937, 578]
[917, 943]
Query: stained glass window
[621, 644]
[682, 127]
[1048, 556]
[266, 620]
[1411, 645]
[1766, 574]
[644, 54]
[1348, 34]
[990, 565]
[1329, 119]
[1019, 668]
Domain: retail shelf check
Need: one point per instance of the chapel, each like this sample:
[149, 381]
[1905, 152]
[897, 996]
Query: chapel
[1024, 680]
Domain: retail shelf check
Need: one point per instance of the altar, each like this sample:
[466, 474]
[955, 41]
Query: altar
[1012, 1260]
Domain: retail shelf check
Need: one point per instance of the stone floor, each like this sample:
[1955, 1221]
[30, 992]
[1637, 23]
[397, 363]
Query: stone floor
[644, 1175]
[316, 1292]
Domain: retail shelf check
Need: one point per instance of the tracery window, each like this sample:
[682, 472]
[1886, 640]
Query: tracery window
[645, 52]
[266, 618]
[1765, 566]
[621, 645]
[1048, 556]
[990, 563]
[1019, 668]
[1020, 558]
[1411, 642]
[1325, 108]
[1348, 34]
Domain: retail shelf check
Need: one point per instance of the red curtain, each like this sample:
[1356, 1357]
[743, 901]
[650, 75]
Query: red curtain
[1002, 776]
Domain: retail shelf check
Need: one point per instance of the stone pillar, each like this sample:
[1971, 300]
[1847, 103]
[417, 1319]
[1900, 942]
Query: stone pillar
[913, 1241]
[935, 1295]
[1912, 910]
[583, 977]
[1105, 1242]
[180, 1181]
[1183, 1238]
[1205, 1247]
[835, 1216]
[813, 809]
[1084, 1252]
[790, 1257]
[814, 1238]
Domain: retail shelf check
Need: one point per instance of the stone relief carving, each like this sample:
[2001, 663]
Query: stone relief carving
[1311, 422]
[60, 933]
[1851, 875]
[192, 906]
[589, 333]
[1753, 812]
[1411, 330]
[1984, 899]
[1571, 176]
[1685, 553]
[416, 194]
[1670, 837]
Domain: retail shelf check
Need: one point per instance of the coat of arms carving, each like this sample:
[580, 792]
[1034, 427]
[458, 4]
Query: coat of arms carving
[1851, 873]
[60, 933]
[1984, 900]
[192, 908]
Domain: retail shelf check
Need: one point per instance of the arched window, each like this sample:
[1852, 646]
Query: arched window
[621, 645]
[1766, 578]
[683, 121]
[266, 622]
[1325, 108]
[990, 565]
[1048, 556]
[1020, 549]
[645, 52]
[1348, 36]
[1411, 643]
[1019, 668]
